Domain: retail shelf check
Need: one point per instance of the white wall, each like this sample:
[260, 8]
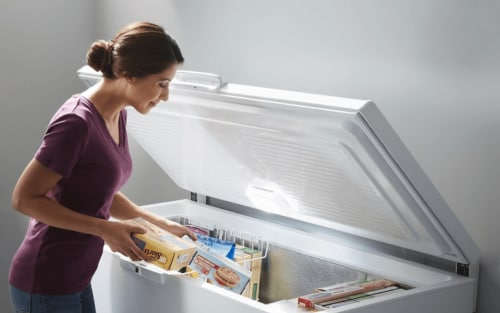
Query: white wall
[431, 66]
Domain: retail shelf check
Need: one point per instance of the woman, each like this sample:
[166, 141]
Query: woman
[71, 187]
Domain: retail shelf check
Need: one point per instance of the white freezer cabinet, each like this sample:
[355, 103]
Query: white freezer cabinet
[297, 261]
[324, 180]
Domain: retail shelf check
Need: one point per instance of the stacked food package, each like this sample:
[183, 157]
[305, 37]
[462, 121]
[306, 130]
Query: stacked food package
[345, 293]
[323, 298]
[167, 250]
[220, 270]
[220, 262]
[251, 259]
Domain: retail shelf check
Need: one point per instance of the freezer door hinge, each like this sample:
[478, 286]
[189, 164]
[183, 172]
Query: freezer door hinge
[196, 197]
[463, 269]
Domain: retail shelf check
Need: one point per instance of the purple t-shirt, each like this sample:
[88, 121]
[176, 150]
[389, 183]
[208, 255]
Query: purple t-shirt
[78, 146]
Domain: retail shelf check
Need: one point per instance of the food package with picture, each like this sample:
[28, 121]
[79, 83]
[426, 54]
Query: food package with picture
[220, 270]
[251, 259]
[168, 251]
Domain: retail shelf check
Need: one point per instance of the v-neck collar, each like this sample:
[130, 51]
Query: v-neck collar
[120, 143]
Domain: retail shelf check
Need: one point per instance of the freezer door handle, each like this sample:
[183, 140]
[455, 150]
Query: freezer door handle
[142, 269]
[198, 81]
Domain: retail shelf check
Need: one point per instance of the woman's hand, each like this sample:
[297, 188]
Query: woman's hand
[175, 228]
[122, 208]
[118, 236]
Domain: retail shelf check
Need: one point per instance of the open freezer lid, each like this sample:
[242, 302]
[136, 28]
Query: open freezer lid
[329, 161]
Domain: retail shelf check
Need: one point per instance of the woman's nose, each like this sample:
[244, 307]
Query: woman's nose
[164, 95]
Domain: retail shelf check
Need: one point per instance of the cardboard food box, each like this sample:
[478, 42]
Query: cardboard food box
[244, 260]
[220, 271]
[342, 291]
[169, 251]
[358, 297]
[252, 259]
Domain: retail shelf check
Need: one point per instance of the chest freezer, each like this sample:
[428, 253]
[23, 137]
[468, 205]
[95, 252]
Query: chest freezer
[322, 184]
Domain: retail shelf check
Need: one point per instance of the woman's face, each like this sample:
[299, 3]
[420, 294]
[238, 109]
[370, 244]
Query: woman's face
[145, 93]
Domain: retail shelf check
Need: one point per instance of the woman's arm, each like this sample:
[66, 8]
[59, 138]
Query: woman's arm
[123, 208]
[30, 198]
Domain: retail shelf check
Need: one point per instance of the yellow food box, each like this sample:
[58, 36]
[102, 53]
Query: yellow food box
[169, 251]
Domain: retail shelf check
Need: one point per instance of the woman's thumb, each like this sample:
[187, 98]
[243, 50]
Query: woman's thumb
[137, 230]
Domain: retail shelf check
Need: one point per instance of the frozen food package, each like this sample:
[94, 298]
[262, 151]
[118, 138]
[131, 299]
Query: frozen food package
[343, 291]
[218, 246]
[198, 230]
[168, 251]
[357, 297]
[253, 262]
[220, 271]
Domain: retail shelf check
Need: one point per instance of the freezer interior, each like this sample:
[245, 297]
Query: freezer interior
[295, 263]
[286, 272]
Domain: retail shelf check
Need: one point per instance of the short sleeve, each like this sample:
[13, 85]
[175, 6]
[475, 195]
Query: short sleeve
[63, 144]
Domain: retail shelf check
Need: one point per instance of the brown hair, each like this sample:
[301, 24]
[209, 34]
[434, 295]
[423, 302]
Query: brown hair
[139, 49]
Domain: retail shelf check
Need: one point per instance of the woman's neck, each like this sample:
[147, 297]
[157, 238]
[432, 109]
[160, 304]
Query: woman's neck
[106, 96]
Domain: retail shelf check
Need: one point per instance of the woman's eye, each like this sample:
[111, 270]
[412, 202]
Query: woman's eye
[163, 85]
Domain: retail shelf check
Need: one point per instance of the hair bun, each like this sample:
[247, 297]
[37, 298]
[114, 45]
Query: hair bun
[100, 56]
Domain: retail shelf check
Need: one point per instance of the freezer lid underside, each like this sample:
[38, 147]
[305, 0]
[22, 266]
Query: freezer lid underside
[324, 160]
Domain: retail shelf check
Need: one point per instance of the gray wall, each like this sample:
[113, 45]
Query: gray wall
[431, 66]
[41, 44]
